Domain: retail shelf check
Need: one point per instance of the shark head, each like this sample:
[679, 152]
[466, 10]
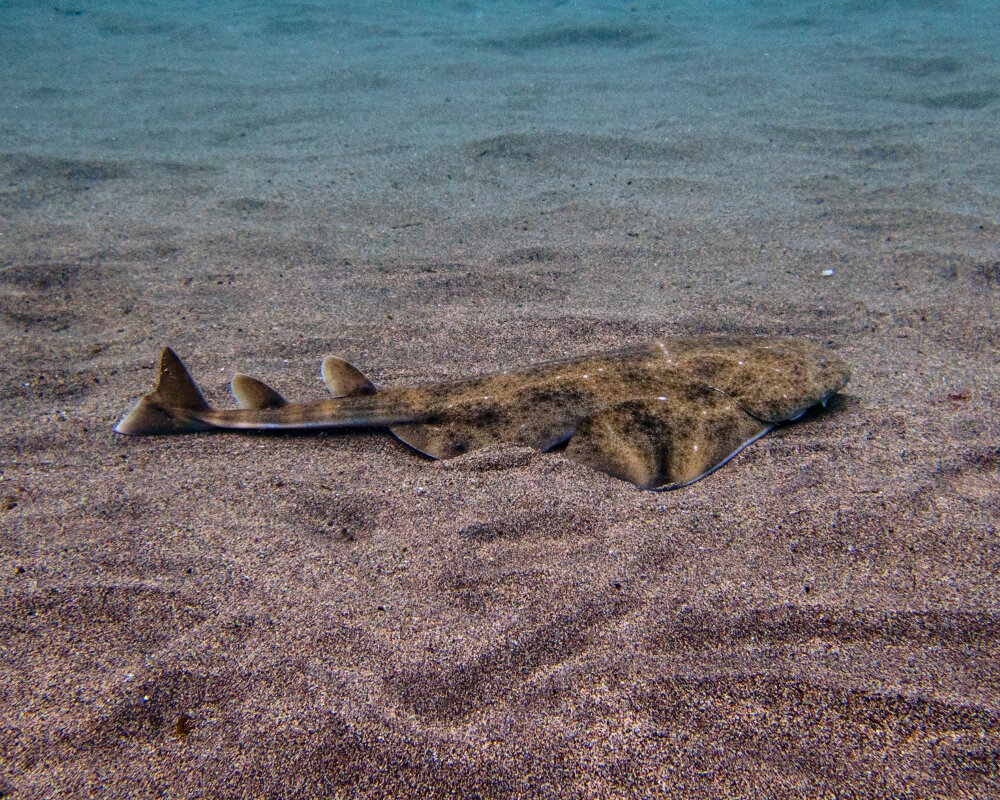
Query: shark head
[777, 381]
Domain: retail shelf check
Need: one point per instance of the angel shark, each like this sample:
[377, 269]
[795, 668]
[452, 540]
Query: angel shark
[660, 415]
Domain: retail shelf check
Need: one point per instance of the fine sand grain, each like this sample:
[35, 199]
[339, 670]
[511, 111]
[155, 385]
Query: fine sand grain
[432, 195]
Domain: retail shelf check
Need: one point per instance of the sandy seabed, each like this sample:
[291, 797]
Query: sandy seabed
[333, 615]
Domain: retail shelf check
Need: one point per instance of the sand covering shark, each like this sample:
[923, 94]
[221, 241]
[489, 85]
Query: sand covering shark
[660, 415]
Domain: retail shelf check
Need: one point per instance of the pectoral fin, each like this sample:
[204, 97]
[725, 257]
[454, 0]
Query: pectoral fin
[664, 442]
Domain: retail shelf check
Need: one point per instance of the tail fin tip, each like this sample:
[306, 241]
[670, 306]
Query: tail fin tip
[175, 388]
[167, 409]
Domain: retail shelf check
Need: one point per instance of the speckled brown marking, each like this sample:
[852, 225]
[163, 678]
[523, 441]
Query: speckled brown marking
[660, 415]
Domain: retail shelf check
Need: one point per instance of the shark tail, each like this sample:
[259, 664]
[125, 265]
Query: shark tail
[174, 406]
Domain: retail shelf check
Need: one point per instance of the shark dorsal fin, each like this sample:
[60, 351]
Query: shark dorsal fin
[252, 393]
[344, 379]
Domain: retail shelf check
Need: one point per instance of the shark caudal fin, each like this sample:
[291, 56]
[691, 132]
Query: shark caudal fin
[171, 407]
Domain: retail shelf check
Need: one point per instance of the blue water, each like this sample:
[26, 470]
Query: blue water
[213, 82]
[378, 133]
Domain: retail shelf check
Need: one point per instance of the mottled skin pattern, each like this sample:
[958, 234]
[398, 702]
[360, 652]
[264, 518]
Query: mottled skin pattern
[658, 415]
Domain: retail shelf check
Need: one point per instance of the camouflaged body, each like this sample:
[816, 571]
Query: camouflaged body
[659, 415]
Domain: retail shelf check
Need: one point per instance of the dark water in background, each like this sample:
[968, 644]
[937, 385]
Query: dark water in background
[770, 84]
